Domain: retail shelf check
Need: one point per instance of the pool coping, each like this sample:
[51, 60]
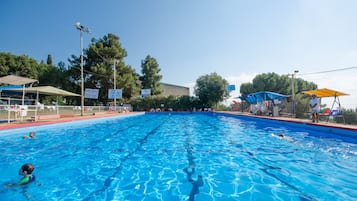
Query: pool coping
[14, 125]
[321, 124]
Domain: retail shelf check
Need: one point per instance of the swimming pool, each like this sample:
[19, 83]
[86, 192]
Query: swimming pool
[160, 157]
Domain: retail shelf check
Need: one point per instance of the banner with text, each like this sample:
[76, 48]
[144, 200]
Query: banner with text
[117, 93]
[145, 92]
[91, 93]
[231, 87]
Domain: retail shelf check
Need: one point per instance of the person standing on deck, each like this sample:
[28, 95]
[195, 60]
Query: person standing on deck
[315, 108]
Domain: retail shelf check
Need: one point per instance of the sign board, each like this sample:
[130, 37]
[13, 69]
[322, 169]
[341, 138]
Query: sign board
[117, 93]
[91, 93]
[145, 92]
[231, 87]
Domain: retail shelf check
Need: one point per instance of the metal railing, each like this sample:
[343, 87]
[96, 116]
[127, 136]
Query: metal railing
[10, 113]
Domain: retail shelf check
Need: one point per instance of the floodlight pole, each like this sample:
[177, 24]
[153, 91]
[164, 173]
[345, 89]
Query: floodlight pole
[81, 28]
[293, 90]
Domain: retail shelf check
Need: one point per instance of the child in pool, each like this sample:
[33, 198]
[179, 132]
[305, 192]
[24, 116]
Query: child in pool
[26, 170]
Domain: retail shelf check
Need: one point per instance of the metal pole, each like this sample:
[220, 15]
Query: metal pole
[82, 79]
[57, 105]
[293, 94]
[9, 110]
[23, 94]
[293, 90]
[37, 102]
[115, 95]
[81, 29]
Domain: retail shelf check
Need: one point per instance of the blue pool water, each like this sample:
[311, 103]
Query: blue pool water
[161, 157]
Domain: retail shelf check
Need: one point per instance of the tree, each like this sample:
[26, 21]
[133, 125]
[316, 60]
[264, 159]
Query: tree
[47, 74]
[4, 63]
[275, 83]
[246, 88]
[266, 82]
[99, 61]
[18, 65]
[211, 89]
[151, 77]
[53, 76]
[49, 59]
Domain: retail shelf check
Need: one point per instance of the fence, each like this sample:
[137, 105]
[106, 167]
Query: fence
[9, 113]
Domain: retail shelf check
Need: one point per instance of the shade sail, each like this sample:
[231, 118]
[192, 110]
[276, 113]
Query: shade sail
[262, 96]
[325, 93]
[47, 90]
[16, 80]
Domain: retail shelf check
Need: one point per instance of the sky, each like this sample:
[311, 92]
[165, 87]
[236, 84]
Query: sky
[237, 39]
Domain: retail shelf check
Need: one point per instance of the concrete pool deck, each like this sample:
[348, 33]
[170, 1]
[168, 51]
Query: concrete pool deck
[19, 124]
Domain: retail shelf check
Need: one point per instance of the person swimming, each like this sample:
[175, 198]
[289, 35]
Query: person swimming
[26, 170]
[31, 135]
[283, 137]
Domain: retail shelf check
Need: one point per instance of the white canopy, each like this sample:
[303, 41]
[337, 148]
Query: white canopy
[16, 80]
[47, 90]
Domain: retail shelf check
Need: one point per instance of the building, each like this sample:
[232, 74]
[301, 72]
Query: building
[174, 90]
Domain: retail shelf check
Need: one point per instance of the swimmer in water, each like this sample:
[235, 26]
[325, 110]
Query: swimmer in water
[283, 137]
[31, 135]
[26, 171]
